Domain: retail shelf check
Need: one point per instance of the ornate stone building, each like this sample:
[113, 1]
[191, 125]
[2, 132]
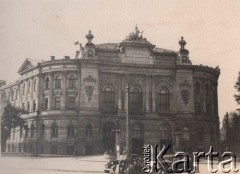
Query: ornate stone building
[78, 105]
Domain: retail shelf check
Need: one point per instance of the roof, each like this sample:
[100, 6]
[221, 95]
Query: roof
[115, 46]
[161, 50]
[28, 64]
[108, 46]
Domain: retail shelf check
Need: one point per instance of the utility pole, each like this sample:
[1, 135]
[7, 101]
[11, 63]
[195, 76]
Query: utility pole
[127, 123]
[38, 135]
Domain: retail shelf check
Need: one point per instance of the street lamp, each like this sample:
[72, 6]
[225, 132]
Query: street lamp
[117, 141]
[127, 123]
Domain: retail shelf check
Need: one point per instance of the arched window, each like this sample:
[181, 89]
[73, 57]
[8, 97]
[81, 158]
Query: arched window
[57, 82]
[46, 83]
[186, 135]
[54, 131]
[72, 81]
[70, 131]
[108, 99]
[137, 131]
[165, 133]
[42, 130]
[89, 130]
[135, 101]
[163, 104]
[32, 130]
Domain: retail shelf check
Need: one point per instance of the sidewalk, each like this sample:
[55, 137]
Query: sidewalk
[84, 164]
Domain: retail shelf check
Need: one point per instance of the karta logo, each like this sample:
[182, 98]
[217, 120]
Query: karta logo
[184, 162]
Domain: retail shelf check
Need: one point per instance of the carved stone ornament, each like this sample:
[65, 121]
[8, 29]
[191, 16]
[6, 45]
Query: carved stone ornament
[185, 92]
[109, 78]
[139, 80]
[164, 79]
[89, 83]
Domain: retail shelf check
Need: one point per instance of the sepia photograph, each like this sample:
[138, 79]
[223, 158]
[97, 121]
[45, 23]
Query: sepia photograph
[119, 87]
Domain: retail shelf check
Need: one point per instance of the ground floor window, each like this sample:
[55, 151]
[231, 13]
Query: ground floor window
[70, 149]
[53, 149]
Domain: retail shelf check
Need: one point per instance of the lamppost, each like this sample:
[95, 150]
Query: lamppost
[127, 123]
[117, 141]
[38, 134]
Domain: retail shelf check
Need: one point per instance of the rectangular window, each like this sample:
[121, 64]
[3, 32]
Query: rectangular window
[46, 103]
[71, 102]
[57, 102]
[23, 106]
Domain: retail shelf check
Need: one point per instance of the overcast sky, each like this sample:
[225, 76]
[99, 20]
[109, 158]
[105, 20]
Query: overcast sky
[39, 29]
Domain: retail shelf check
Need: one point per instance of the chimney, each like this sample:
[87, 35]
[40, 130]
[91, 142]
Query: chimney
[52, 57]
[66, 57]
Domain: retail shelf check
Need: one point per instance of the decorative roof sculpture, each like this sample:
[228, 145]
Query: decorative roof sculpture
[136, 36]
[89, 37]
[182, 43]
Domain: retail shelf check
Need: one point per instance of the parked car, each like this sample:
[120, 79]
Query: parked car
[112, 166]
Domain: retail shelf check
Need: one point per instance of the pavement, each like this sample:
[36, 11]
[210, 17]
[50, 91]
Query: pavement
[60, 165]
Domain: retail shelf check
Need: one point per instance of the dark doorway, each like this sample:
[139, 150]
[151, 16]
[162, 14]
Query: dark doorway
[137, 146]
[108, 137]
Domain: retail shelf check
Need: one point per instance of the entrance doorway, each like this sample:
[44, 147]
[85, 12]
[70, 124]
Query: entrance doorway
[137, 138]
[109, 137]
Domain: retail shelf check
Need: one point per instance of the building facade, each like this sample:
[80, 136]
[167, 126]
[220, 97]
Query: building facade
[79, 105]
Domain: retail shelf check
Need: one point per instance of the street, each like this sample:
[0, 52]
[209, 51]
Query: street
[61, 165]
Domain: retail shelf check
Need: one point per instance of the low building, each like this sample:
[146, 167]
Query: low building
[78, 105]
